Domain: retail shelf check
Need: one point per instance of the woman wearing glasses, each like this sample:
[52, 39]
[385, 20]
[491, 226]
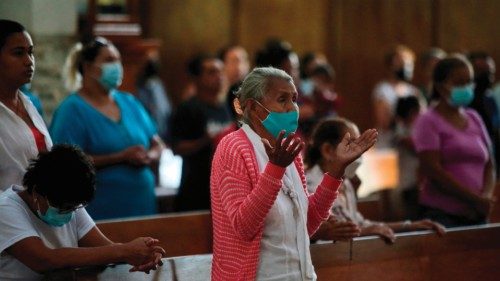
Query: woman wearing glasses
[43, 225]
[113, 128]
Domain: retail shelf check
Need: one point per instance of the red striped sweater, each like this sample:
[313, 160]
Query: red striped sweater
[241, 199]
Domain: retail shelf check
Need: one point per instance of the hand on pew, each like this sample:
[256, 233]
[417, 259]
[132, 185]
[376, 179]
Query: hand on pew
[336, 230]
[382, 230]
[428, 224]
[144, 254]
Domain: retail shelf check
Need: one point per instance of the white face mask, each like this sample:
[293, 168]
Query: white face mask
[350, 170]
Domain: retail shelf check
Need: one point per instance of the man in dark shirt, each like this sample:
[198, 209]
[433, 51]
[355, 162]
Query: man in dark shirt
[483, 102]
[197, 125]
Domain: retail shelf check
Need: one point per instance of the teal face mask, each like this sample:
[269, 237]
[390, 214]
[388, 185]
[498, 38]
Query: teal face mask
[111, 75]
[461, 96]
[276, 122]
[53, 217]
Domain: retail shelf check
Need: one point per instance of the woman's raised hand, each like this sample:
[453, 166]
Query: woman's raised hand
[349, 149]
[284, 151]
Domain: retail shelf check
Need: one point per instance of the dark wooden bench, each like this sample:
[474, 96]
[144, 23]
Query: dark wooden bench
[180, 234]
[471, 253]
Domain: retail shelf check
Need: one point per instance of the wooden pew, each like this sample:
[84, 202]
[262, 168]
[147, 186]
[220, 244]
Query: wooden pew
[468, 253]
[471, 253]
[180, 234]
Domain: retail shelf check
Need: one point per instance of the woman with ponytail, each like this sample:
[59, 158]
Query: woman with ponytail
[23, 133]
[346, 221]
[112, 127]
[454, 150]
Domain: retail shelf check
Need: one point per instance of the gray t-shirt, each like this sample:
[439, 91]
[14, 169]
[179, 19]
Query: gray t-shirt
[18, 222]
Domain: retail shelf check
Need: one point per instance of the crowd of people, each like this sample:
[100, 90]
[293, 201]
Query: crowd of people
[242, 134]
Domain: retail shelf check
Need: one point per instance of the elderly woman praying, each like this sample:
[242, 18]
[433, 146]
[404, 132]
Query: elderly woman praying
[261, 210]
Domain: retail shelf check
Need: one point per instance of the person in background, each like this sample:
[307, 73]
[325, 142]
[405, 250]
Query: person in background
[196, 126]
[113, 128]
[236, 67]
[44, 225]
[308, 63]
[346, 221]
[326, 100]
[406, 195]
[400, 64]
[279, 54]
[427, 62]
[261, 212]
[153, 96]
[454, 150]
[484, 102]
[23, 133]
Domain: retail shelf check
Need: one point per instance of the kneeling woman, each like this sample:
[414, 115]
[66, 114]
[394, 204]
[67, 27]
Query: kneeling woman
[262, 214]
[45, 227]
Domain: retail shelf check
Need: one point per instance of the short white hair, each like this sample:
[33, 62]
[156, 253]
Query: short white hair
[256, 84]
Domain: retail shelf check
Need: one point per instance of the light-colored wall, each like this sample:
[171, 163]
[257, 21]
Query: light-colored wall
[42, 17]
[53, 26]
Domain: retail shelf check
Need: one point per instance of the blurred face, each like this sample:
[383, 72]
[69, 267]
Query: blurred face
[211, 77]
[281, 96]
[17, 63]
[291, 66]
[236, 65]
[484, 72]
[459, 77]
[404, 63]
[106, 54]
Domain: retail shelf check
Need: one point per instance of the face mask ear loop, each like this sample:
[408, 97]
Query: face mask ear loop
[268, 112]
[39, 211]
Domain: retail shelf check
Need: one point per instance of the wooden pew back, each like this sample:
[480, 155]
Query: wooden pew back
[179, 234]
[467, 253]
[462, 254]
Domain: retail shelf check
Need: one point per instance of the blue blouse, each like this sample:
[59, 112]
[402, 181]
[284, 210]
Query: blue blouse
[122, 190]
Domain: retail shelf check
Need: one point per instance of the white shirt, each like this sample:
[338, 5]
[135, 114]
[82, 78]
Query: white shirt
[345, 206]
[284, 249]
[18, 222]
[386, 92]
[17, 143]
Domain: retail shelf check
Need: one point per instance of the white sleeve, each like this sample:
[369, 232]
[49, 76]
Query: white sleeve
[84, 223]
[15, 225]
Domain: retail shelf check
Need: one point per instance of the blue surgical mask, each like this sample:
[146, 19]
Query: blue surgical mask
[111, 75]
[276, 122]
[53, 216]
[461, 96]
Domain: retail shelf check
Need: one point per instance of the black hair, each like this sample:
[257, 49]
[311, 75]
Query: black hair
[221, 54]
[329, 130]
[7, 28]
[443, 70]
[472, 56]
[304, 62]
[274, 53]
[406, 106]
[323, 70]
[90, 50]
[151, 69]
[64, 175]
[195, 65]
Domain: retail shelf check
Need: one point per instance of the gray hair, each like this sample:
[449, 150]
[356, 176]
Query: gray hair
[256, 84]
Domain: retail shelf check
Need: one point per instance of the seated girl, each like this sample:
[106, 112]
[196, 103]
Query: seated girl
[346, 222]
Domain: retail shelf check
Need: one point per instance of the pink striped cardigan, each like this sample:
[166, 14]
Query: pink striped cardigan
[241, 199]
